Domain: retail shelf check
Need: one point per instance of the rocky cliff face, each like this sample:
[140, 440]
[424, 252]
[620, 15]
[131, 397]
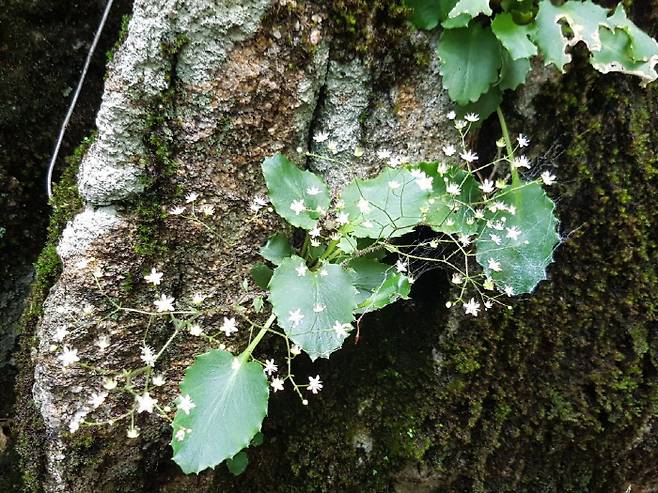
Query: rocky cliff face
[557, 395]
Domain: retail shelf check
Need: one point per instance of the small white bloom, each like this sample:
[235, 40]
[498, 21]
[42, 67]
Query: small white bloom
[424, 182]
[358, 151]
[383, 154]
[207, 209]
[323, 272]
[109, 384]
[468, 156]
[500, 183]
[198, 298]
[60, 334]
[459, 124]
[159, 380]
[487, 186]
[295, 317]
[177, 210]
[449, 150]
[312, 190]
[341, 329]
[495, 238]
[229, 326]
[191, 197]
[301, 270]
[400, 266]
[133, 432]
[479, 214]
[154, 277]
[472, 117]
[97, 399]
[297, 206]
[548, 178]
[343, 218]
[148, 356]
[523, 140]
[68, 356]
[276, 384]
[332, 146]
[513, 233]
[185, 403]
[314, 384]
[509, 290]
[295, 350]
[453, 189]
[164, 304]
[457, 278]
[270, 367]
[487, 304]
[521, 162]
[103, 342]
[465, 240]
[257, 204]
[145, 403]
[320, 137]
[472, 307]
[488, 284]
[195, 330]
[451, 115]
[319, 307]
[363, 205]
[494, 265]
[180, 435]
[315, 243]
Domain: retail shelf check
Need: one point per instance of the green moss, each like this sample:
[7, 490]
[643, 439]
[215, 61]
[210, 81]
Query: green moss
[123, 34]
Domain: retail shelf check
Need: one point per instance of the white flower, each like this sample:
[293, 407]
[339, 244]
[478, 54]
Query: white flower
[457, 278]
[472, 117]
[500, 183]
[164, 304]
[195, 330]
[314, 384]
[400, 266]
[459, 124]
[295, 317]
[229, 326]
[270, 367]
[523, 140]
[177, 210]
[453, 189]
[276, 384]
[314, 233]
[513, 233]
[154, 277]
[341, 329]
[494, 265]
[158, 380]
[451, 115]
[97, 399]
[320, 137]
[148, 356]
[465, 240]
[332, 146]
[315, 243]
[87, 310]
[297, 206]
[424, 182]
[548, 178]
[363, 205]
[472, 307]
[198, 298]
[488, 284]
[133, 432]
[60, 334]
[312, 190]
[449, 150]
[487, 186]
[468, 156]
[191, 197]
[495, 238]
[295, 350]
[257, 204]
[509, 290]
[393, 184]
[383, 154]
[323, 272]
[68, 356]
[358, 151]
[301, 270]
[479, 214]
[109, 384]
[145, 403]
[319, 307]
[487, 304]
[521, 162]
[180, 435]
[103, 342]
[207, 209]
[343, 218]
[185, 403]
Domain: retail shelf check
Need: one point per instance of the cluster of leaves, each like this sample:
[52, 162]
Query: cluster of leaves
[484, 53]
[318, 288]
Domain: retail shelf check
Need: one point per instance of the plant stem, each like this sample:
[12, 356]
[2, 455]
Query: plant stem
[508, 144]
[252, 345]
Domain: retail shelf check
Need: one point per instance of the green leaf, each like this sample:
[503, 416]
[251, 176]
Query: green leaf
[322, 298]
[484, 106]
[470, 59]
[425, 13]
[643, 47]
[377, 284]
[238, 464]
[459, 21]
[276, 249]
[393, 201]
[514, 37]
[521, 243]
[449, 213]
[230, 403]
[513, 72]
[261, 274]
[258, 439]
[289, 186]
[472, 8]
[584, 19]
